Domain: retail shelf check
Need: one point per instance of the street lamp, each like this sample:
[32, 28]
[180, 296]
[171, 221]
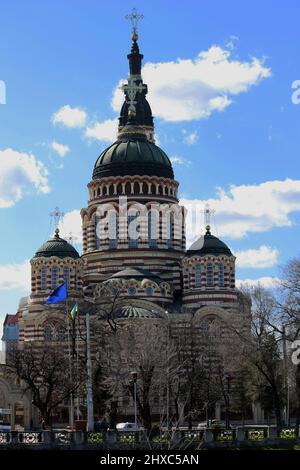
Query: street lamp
[134, 379]
[227, 378]
[168, 391]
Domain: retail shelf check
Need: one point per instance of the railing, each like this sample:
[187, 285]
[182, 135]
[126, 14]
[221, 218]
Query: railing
[113, 439]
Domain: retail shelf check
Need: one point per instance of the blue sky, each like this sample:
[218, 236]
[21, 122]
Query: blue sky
[222, 72]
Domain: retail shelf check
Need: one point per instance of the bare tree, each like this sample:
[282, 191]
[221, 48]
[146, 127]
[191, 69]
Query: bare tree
[45, 373]
[261, 350]
[140, 346]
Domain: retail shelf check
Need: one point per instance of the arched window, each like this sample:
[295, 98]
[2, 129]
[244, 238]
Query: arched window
[170, 226]
[132, 230]
[197, 275]
[54, 277]
[131, 291]
[149, 291]
[209, 275]
[61, 333]
[48, 333]
[44, 278]
[66, 275]
[221, 275]
[113, 229]
[152, 229]
[97, 232]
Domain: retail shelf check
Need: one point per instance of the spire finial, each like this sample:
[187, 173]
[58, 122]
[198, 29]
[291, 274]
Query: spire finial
[207, 217]
[134, 17]
[57, 215]
[56, 233]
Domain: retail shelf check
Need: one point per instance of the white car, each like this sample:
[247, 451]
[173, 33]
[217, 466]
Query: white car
[129, 427]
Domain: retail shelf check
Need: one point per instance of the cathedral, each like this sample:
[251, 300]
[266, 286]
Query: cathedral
[133, 244]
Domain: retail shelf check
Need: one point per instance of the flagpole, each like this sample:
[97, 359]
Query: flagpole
[71, 409]
[89, 387]
[77, 367]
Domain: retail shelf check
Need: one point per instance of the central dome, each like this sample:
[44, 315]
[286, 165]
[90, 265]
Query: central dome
[132, 154]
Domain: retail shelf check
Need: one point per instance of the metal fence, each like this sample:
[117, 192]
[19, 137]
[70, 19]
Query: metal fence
[113, 439]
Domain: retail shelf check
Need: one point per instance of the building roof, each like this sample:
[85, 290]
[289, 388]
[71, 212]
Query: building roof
[11, 319]
[135, 273]
[132, 154]
[57, 246]
[131, 311]
[208, 245]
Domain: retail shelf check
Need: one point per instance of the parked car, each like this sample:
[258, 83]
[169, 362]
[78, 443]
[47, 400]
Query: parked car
[129, 427]
[5, 427]
[213, 423]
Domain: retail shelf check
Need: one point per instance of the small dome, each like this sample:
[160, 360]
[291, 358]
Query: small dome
[208, 245]
[135, 273]
[57, 246]
[131, 311]
[132, 154]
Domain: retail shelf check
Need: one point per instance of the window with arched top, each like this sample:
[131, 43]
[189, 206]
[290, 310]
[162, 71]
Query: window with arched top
[170, 229]
[97, 232]
[54, 277]
[113, 229]
[209, 275]
[131, 291]
[60, 333]
[221, 275]
[133, 231]
[149, 291]
[44, 278]
[197, 276]
[48, 333]
[66, 275]
[152, 228]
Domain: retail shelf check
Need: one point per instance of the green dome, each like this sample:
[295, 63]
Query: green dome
[132, 311]
[132, 154]
[57, 246]
[208, 245]
[137, 274]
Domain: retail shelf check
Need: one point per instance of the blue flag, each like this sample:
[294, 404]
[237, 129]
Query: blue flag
[58, 295]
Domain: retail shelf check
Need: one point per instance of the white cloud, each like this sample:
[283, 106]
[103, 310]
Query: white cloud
[263, 257]
[70, 117]
[190, 138]
[268, 282]
[61, 149]
[19, 173]
[105, 131]
[246, 208]
[71, 223]
[188, 89]
[15, 276]
[180, 161]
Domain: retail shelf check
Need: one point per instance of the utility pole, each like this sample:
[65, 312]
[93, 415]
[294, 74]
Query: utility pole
[89, 385]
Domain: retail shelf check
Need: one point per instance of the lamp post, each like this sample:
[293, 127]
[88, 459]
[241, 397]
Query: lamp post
[134, 379]
[227, 378]
[168, 391]
[286, 378]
